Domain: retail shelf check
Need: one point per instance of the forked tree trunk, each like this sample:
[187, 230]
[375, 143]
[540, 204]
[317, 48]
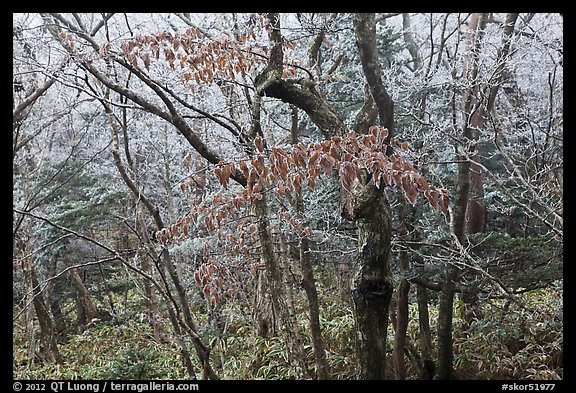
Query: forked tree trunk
[477, 112]
[48, 347]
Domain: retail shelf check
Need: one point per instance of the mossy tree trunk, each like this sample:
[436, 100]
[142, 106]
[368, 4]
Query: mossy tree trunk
[372, 285]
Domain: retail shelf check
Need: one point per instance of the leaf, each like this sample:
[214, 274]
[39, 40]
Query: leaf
[432, 196]
[187, 158]
[313, 158]
[334, 151]
[244, 168]
[218, 173]
[423, 183]
[368, 140]
[226, 171]
[237, 202]
[146, 59]
[410, 191]
[299, 155]
[327, 162]
[347, 175]
[259, 143]
[444, 202]
[310, 183]
[206, 290]
[252, 178]
[382, 134]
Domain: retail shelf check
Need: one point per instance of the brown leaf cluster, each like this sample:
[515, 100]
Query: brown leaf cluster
[201, 60]
[286, 173]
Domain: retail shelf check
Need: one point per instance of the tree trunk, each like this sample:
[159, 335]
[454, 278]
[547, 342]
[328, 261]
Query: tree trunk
[264, 315]
[290, 304]
[405, 228]
[477, 113]
[445, 316]
[451, 275]
[48, 347]
[309, 285]
[87, 311]
[401, 321]
[149, 290]
[365, 32]
[54, 302]
[477, 107]
[308, 280]
[427, 367]
[151, 303]
[372, 284]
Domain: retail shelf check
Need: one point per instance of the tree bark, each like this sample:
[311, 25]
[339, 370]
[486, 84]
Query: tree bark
[264, 315]
[299, 344]
[87, 311]
[48, 347]
[365, 32]
[477, 111]
[306, 97]
[427, 367]
[402, 296]
[149, 289]
[372, 284]
[53, 300]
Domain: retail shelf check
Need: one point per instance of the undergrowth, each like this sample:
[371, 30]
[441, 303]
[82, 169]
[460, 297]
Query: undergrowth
[510, 342]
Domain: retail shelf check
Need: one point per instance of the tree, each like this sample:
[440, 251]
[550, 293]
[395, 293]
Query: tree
[219, 177]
